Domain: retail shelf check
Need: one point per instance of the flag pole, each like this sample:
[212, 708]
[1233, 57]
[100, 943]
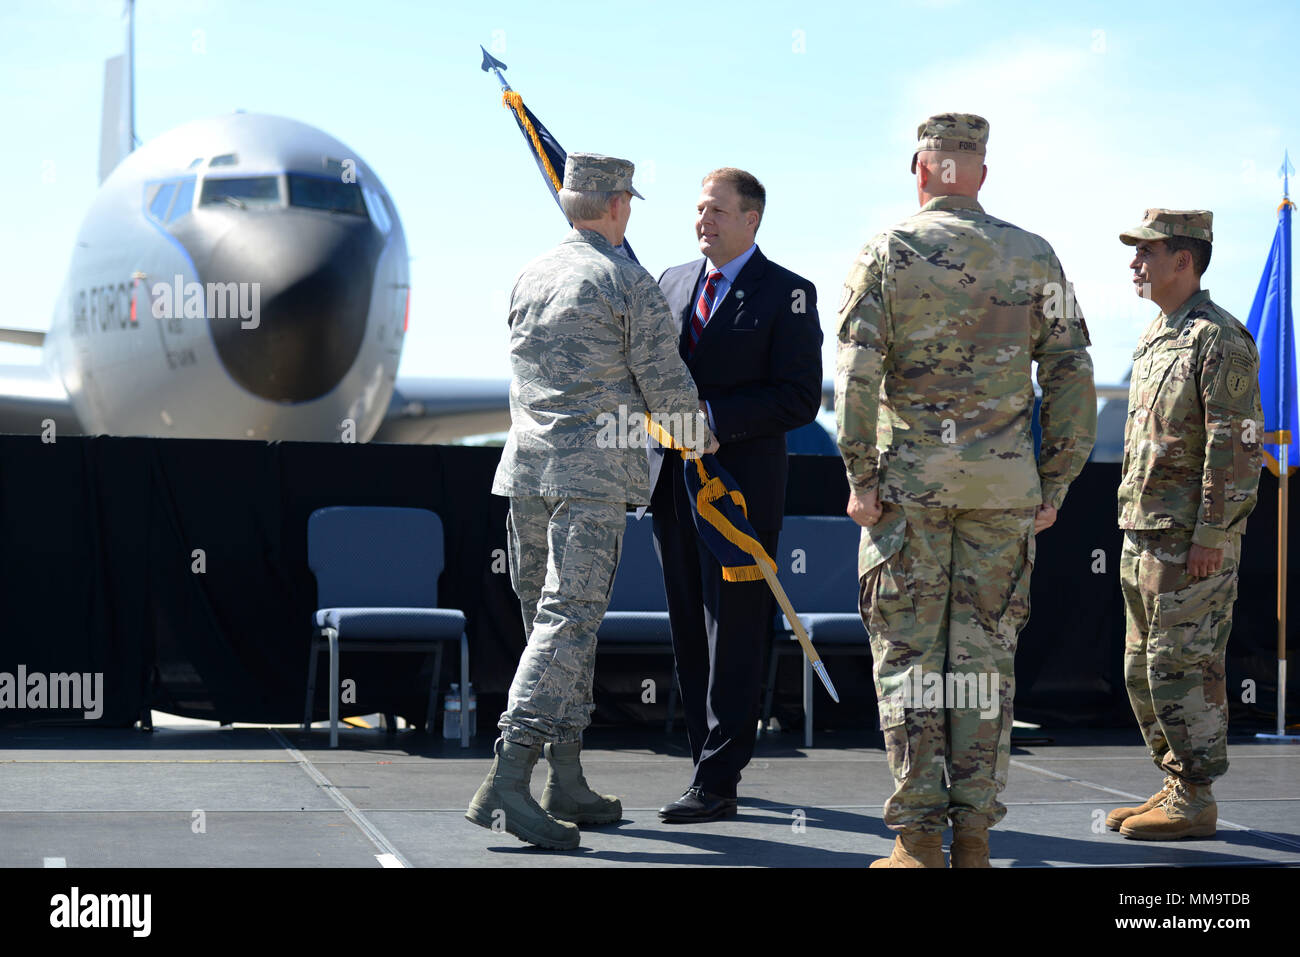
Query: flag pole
[1281, 588]
[1283, 438]
[1283, 463]
[796, 625]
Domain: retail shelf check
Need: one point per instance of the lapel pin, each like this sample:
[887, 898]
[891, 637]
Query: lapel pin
[740, 294]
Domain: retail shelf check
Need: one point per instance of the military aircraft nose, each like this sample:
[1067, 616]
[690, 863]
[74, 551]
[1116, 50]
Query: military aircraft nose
[313, 272]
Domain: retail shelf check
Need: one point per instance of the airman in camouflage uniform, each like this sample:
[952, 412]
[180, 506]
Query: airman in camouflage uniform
[941, 318]
[1192, 457]
[591, 339]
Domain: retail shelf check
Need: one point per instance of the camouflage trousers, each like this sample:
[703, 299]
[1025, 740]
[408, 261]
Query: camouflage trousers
[1174, 651]
[563, 554]
[943, 594]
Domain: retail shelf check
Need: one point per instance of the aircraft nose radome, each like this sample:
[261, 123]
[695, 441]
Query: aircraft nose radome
[314, 273]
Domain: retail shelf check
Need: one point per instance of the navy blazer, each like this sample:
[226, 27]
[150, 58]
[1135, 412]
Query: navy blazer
[759, 366]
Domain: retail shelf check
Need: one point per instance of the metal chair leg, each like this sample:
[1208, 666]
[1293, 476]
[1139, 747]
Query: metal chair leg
[333, 635]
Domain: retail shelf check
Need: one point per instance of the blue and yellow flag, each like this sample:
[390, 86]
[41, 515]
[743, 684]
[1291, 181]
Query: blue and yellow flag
[721, 516]
[722, 520]
[1271, 324]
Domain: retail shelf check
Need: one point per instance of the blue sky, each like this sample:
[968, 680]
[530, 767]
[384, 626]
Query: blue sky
[1096, 110]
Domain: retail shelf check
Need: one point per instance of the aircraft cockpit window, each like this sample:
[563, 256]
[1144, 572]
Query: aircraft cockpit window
[184, 200]
[195, 162]
[161, 200]
[241, 193]
[225, 159]
[315, 192]
[378, 215]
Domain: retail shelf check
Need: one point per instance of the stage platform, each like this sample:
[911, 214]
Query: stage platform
[191, 794]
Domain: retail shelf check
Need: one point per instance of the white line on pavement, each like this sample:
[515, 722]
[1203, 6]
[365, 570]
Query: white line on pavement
[354, 814]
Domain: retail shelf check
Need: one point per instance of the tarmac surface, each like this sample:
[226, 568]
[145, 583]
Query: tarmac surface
[191, 794]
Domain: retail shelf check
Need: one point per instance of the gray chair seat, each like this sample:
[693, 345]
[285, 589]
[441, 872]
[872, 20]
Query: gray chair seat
[635, 627]
[392, 623]
[831, 628]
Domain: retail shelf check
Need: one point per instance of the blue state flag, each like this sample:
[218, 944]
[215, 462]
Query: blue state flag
[1271, 324]
[722, 520]
[721, 516]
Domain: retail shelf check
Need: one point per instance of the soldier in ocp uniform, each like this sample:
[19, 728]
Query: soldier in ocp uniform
[941, 318]
[591, 337]
[1192, 457]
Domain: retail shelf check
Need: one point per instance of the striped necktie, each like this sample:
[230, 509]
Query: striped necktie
[703, 308]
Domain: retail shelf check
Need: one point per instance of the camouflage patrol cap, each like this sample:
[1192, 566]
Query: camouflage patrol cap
[1168, 223]
[952, 133]
[592, 172]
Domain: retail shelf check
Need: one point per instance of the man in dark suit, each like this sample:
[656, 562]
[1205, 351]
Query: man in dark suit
[752, 342]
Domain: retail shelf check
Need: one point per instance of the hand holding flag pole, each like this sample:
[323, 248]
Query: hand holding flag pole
[722, 520]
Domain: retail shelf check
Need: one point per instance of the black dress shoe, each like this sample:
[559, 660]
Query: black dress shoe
[697, 805]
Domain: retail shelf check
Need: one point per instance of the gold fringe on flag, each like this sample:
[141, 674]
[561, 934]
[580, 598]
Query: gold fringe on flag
[712, 489]
[513, 101]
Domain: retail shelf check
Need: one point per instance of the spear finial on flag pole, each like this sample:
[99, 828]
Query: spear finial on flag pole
[491, 64]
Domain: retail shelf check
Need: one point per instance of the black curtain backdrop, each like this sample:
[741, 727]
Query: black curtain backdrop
[178, 570]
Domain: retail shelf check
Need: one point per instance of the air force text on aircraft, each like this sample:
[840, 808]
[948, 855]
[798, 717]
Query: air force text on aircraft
[112, 307]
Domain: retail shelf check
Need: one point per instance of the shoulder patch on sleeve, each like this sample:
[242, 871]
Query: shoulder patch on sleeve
[1240, 370]
[863, 272]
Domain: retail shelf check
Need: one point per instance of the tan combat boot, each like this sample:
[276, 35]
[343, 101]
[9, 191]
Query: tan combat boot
[1121, 814]
[567, 796]
[914, 849]
[1188, 810]
[504, 802]
[970, 846]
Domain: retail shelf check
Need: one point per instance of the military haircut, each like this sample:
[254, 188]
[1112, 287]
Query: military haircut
[952, 173]
[752, 194]
[586, 205]
[971, 162]
[1199, 249]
